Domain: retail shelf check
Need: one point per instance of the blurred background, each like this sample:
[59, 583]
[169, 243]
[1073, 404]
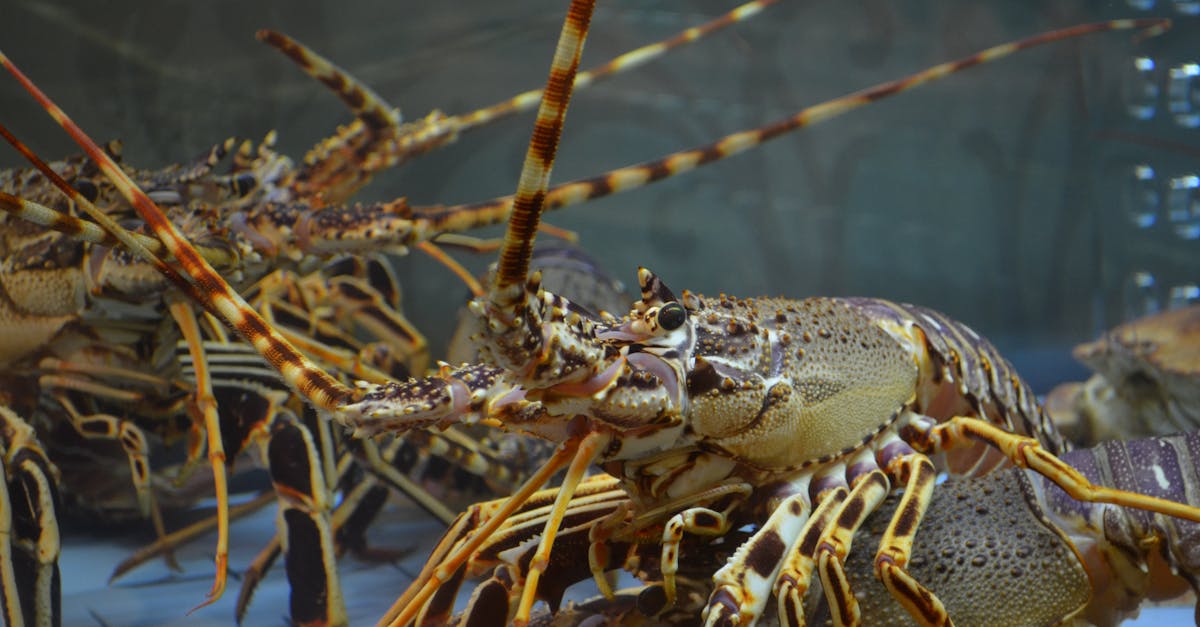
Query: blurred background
[1040, 199]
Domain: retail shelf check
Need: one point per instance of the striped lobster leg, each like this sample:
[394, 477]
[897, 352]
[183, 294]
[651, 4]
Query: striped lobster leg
[29, 540]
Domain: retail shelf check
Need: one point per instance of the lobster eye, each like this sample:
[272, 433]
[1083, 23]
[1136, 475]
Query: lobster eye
[671, 316]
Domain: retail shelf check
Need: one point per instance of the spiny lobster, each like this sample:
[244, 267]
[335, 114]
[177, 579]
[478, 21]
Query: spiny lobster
[652, 388]
[278, 217]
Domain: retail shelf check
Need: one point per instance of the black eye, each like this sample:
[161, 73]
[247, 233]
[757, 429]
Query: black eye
[671, 316]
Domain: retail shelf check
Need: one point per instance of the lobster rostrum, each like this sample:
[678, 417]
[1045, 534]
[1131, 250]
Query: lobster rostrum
[680, 401]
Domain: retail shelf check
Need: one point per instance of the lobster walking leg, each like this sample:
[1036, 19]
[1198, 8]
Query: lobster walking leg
[206, 404]
[696, 521]
[866, 493]
[589, 450]
[1028, 453]
[132, 440]
[743, 585]
[29, 540]
[304, 524]
[793, 581]
[917, 474]
[435, 574]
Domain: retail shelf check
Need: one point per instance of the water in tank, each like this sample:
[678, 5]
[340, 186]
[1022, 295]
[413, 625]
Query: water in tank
[1041, 199]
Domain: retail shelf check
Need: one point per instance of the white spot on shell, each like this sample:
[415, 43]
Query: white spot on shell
[1161, 477]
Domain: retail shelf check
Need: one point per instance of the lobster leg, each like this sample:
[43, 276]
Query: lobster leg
[107, 382]
[456, 549]
[441, 569]
[253, 412]
[355, 512]
[1137, 556]
[453, 538]
[206, 404]
[792, 583]
[237, 410]
[866, 494]
[366, 305]
[360, 504]
[783, 553]
[132, 440]
[382, 464]
[30, 590]
[420, 456]
[366, 293]
[348, 523]
[167, 543]
[295, 464]
[254, 573]
[742, 585]
[696, 520]
[589, 449]
[917, 474]
[1026, 452]
[598, 499]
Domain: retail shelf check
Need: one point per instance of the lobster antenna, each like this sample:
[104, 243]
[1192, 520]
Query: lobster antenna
[461, 217]
[539, 158]
[422, 223]
[627, 61]
[69, 225]
[507, 292]
[364, 102]
[339, 165]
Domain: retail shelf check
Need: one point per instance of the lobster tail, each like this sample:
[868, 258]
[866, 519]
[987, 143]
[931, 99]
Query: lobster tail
[1137, 550]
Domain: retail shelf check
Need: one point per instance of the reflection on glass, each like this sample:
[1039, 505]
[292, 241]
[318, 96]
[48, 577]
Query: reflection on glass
[1183, 94]
[1139, 87]
[1141, 5]
[1183, 296]
[1183, 206]
[1187, 7]
[1140, 196]
[1141, 295]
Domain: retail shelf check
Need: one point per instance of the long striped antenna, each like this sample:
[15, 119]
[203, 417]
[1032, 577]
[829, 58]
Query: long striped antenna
[303, 376]
[457, 218]
[390, 228]
[70, 225]
[539, 158]
[339, 165]
[507, 293]
[627, 61]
